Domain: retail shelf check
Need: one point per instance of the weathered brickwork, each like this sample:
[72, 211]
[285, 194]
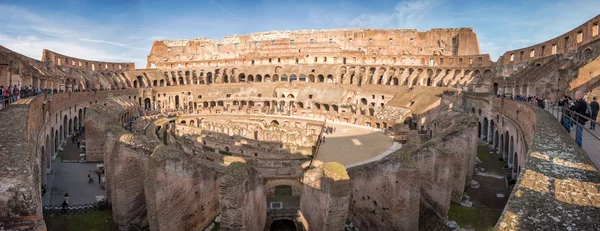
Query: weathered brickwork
[222, 124]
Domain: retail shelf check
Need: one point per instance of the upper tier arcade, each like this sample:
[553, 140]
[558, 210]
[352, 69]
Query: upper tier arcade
[67, 61]
[435, 42]
[570, 41]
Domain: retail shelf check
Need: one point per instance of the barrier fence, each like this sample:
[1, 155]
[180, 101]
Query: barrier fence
[579, 127]
[77, 209]
[282, 212]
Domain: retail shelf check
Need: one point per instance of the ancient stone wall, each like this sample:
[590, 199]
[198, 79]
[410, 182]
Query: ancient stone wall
[181, 194]
[283, 44]
[242, 198]
[325, 197]
[571, 40]
[63, 60]
[558, 184]
[385, 194]
[388, 193]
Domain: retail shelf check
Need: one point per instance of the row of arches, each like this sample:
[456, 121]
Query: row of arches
[503, 142]
[398, 76]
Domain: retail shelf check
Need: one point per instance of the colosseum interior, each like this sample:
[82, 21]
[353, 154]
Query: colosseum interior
[342, 129]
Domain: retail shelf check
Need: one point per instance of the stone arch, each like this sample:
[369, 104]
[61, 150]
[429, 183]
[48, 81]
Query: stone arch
[295, 185]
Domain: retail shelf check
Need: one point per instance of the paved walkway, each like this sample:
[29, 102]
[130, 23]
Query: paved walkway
[590, 139]
[72, 178]
[351, 144]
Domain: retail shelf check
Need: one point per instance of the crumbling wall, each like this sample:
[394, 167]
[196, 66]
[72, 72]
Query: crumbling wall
[181, 193]
[385, 194]
[125, 158]
[242, 198]
[558, 183]
[125, 166]
[325, 197]
[445, 162]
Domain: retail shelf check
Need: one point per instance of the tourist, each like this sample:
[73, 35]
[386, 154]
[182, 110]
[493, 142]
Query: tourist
[65, 203]
[90, 178]
[15, 93]
[594, 108]
[99, 175]
[43, 190]
[2, 96]
[6, 96]
[580, 107]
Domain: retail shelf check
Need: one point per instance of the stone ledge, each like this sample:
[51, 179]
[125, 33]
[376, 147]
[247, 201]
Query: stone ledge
[558, 186]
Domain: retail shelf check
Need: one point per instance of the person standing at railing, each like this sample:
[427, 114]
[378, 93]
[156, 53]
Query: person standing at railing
[594, 108]
[15, 93]
[6, 93]
[579, 106]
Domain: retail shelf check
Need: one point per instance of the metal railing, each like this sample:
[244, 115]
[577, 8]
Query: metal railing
[282, 212]
[579, 128]
[5, 101]
[77, 209]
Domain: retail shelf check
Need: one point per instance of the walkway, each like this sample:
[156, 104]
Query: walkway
[351, 144]
[72, 178]
[590, 138]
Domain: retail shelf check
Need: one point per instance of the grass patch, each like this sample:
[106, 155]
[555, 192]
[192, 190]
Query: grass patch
[481, 219]
[97, 221]
[217, 227]
[483, 152]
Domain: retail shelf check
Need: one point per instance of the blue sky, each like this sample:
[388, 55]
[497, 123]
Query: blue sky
[123, 31]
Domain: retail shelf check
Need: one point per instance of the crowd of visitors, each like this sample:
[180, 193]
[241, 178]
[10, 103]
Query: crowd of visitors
[11, 94]
[535, 100]
[450, 92]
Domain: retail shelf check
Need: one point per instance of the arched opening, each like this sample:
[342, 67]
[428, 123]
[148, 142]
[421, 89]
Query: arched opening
[515, 170]
[505, 151]
[484, 132]
[321, 78]
[147, 104]
[209, 78]
[162, 83]
[284, 224]
[302, 78]
[283, 190]
[293, 78]
[283, 78]
[479, 129]
[177, 102]
[135, 84]
[363, 101]
[250, 78]
[140, 81]
[495, 89]
[181, 81]
[511, 149]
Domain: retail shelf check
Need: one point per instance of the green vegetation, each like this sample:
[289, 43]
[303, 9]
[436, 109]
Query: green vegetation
[97, 221]
[217, 227]
[480, 219]
[483, 153]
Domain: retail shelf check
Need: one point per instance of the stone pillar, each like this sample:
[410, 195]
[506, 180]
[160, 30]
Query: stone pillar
[325, 197]
[126, 160]
[385, 194]
[181, 194]
[242, 199]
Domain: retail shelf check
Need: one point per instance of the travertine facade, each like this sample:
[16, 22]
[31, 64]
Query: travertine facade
[239, 122]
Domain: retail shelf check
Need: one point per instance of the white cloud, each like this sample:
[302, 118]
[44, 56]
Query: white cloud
[29, 32]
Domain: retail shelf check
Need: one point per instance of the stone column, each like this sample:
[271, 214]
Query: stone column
[242, 199]
[326, 197]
